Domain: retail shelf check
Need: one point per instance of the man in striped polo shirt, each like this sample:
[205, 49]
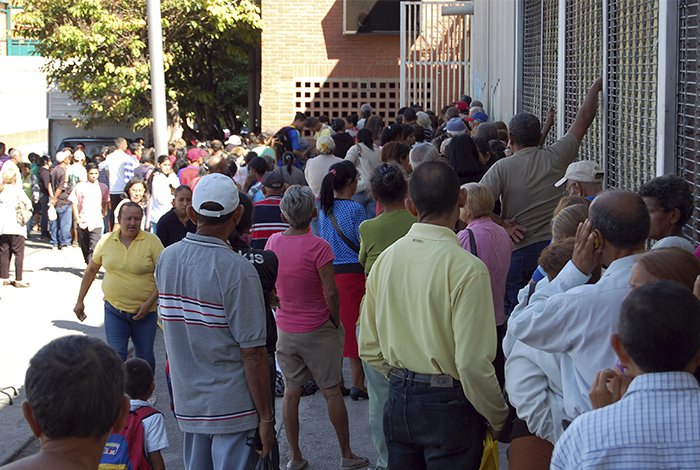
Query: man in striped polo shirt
[267, 217]
[214, 326]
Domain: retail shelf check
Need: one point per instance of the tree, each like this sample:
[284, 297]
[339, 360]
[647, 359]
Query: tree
[97, 51]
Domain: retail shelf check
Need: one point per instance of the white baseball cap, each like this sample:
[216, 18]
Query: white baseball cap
[62, 155]
[216, 188]
[79, 155]
[584, 171]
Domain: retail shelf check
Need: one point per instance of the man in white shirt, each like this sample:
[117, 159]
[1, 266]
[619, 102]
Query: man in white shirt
[88, 211]
[569, 317]
[120, 169]
[655, 423]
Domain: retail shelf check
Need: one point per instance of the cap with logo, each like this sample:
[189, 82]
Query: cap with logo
[273, 180]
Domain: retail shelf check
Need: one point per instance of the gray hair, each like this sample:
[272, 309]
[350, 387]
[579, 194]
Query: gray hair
[480, 200]
[298, 205]
[422, 153]
[15, 153]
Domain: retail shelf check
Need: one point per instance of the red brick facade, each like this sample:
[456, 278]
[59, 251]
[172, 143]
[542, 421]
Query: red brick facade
[309, 65]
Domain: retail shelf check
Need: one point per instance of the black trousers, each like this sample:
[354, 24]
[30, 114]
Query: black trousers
[87, 239]
[11, 245]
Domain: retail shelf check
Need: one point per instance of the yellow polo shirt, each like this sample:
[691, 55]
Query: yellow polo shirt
[428, 308]
[129, 278]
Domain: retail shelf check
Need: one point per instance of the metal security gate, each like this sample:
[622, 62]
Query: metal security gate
[434, 53]
[631, 84]
[688, 105]
[583, 63]
[539, 62]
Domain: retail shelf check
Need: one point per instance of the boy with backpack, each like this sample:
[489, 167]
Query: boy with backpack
[288, 139]
[139, 444]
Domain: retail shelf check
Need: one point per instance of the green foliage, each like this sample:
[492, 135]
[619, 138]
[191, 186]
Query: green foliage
[97, 51]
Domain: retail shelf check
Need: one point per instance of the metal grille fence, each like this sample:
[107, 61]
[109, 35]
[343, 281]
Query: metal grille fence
[532, 57]
[550, 60]
[632, 85]
[539, 66]
[688, 130]
[583, 64]
[434, 54]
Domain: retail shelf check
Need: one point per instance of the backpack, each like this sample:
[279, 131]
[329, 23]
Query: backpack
[282, 142]
[126, 450]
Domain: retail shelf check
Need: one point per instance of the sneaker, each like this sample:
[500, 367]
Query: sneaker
[354, 463]
[357, 394]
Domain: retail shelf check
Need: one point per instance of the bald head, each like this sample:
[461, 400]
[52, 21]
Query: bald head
[621, 217]
[217, 164]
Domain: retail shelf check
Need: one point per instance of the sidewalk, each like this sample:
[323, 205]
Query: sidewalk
[30, 318]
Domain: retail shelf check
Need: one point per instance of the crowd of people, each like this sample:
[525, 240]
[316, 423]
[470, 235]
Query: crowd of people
[478, 282]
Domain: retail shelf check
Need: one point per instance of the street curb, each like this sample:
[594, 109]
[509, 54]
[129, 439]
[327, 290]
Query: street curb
[14, 432]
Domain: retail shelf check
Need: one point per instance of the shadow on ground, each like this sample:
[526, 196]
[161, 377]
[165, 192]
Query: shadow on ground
[77, 326]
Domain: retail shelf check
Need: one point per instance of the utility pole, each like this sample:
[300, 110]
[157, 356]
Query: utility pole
[155, 47]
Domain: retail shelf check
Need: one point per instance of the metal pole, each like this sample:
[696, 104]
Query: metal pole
[667, 76]
[155, 46]
[402, 60]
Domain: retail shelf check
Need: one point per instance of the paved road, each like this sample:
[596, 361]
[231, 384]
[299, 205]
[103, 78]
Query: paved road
[29, 318]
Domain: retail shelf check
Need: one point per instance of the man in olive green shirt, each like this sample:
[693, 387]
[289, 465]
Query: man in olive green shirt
[427, 322]
[525, 182]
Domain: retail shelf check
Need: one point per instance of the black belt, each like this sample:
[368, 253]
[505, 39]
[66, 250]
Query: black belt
[434, 380]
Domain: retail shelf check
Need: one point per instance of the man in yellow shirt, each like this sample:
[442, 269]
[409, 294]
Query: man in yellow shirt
[427, 323]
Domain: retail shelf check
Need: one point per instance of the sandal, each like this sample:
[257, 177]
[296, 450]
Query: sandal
[20, 284]
[297, 464]
[6, 282]
[354, 463]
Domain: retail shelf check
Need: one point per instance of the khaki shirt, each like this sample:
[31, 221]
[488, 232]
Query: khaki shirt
[525, 184]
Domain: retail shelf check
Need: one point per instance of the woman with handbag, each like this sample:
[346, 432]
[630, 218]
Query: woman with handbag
[366, 157]
[338, 223]
[15, 213]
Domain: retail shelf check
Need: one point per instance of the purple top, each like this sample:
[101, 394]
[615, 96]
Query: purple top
[494, 247]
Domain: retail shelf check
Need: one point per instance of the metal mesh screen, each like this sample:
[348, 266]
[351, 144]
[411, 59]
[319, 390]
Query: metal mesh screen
[632, 68]
[550, 48]
[532, 56]
[539, 68]
[584, 63]
[688, 133]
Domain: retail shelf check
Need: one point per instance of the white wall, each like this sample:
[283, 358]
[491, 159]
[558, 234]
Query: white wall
[493, 33]
[23, 122]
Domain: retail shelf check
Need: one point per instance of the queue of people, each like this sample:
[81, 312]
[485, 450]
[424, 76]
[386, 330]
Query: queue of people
[478, 282]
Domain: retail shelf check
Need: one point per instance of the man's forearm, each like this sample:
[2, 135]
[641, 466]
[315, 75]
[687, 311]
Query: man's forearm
[255, 364]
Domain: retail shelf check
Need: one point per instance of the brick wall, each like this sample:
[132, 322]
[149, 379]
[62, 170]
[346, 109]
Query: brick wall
[303, 41]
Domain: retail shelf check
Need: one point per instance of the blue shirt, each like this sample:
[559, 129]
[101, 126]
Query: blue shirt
[655, 425]
[349, 215]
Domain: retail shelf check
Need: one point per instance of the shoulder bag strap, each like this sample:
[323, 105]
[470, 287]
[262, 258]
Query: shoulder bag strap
[472, 242]
[340, 233]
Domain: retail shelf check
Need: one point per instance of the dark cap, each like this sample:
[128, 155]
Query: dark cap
[273, 180]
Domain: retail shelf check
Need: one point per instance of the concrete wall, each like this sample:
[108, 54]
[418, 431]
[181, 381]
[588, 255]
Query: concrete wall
[302, 41]
[493, 57]
[23, 122]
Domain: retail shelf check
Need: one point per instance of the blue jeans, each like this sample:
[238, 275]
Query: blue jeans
[120, 326]
[430, 427]
[378, 391]
[523, 263]
[60, 228]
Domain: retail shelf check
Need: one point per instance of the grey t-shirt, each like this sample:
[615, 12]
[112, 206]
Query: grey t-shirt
[212, 306]
[525, 184]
